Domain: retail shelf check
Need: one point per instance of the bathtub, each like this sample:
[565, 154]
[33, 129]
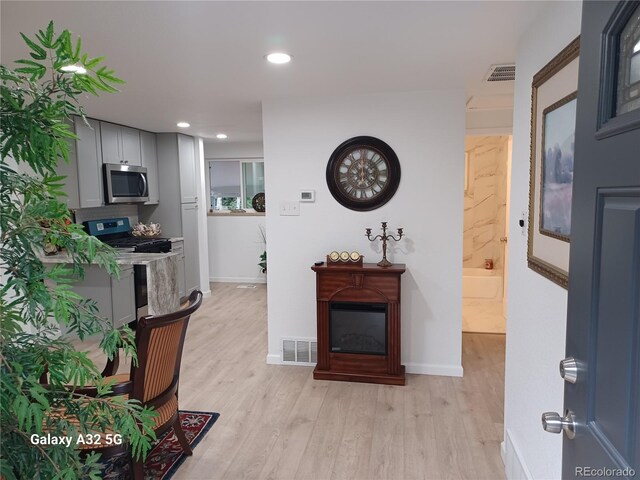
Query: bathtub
[484, 284]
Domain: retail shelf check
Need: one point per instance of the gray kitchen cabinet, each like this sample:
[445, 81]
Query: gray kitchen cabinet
[131, 146]
[167, 212]
[123, 297]
[83, 184]
[191, 256]
[120, 144]
[110, 135]
[178, 247]
[187, 163]
[149, 157]
[176, 217]
[115, 298]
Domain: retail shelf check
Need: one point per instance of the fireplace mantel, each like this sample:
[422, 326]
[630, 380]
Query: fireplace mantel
[368, 283]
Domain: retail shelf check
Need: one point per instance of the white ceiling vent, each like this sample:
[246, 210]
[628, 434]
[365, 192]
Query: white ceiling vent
[299, 351]
[501, 73]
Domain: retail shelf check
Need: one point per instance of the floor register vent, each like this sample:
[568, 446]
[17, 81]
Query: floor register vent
[299, 351]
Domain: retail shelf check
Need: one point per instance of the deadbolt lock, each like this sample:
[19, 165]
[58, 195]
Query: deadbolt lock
[569, 369]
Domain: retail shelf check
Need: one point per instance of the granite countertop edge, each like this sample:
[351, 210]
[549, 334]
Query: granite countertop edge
[124, 258]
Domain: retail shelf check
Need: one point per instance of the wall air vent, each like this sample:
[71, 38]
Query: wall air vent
[501, 73]
[299, 351]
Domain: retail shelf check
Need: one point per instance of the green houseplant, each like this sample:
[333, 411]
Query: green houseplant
[38, 98]
[263, 262]
[263, 256]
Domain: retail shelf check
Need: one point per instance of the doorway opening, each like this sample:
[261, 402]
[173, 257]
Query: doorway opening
[485, 242]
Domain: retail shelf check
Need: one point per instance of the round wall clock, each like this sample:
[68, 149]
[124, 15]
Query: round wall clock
[363, 173]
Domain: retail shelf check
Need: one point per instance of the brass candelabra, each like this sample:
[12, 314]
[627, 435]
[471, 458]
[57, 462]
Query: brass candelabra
[384, 237]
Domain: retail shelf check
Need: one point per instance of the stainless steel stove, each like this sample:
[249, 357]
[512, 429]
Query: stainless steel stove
[116, 232]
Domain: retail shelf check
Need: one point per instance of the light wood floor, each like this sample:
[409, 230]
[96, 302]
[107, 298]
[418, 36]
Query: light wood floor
[276, 422]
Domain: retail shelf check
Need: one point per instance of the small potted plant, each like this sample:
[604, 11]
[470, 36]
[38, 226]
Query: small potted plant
[263, 256]
[263, 262]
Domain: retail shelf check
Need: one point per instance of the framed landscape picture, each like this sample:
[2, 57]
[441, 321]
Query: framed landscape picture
[558, 137]
[553, 119]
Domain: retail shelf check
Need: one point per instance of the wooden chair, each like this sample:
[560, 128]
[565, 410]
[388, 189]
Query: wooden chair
[154, 381]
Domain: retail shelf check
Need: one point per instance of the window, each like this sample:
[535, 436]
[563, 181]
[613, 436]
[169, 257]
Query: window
[234, 183]
[628, 91]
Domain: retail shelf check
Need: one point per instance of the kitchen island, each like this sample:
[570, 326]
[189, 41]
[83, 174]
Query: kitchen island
[116, 296]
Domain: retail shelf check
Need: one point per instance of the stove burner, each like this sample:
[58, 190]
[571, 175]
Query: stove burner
[150, 245]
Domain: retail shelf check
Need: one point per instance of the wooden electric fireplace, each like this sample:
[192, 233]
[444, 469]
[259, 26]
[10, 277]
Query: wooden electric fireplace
[359, 323]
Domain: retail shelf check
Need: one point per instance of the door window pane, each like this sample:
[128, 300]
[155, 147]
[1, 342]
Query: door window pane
[628, 88]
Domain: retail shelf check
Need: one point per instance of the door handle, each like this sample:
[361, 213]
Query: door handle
[552, 422]
[569, 369]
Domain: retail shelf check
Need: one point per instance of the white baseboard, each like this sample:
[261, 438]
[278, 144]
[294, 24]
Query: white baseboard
[515, 467]
[238, 279]
[206, 294]
[274, 359]
[430, 369]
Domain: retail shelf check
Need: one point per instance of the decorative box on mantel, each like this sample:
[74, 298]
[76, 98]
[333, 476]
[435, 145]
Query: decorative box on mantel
[359, 323]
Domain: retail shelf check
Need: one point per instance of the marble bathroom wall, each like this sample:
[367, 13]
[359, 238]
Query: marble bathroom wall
[485, 200]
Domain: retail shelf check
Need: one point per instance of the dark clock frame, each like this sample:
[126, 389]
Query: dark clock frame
[385, 151]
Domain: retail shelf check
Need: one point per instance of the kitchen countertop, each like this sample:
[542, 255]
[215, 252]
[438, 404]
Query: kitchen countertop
[175, 239]
[124, 258]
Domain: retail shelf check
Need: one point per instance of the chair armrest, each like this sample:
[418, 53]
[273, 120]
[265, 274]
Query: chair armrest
[119, 388]
[111, 368]
[44, 378]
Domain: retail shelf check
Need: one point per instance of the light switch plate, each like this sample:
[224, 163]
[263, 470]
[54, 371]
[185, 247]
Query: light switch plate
[289, 209]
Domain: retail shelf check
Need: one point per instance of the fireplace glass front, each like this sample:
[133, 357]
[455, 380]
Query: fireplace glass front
[358, 328]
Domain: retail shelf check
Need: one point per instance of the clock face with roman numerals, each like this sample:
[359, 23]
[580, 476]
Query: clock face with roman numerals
[363, 173]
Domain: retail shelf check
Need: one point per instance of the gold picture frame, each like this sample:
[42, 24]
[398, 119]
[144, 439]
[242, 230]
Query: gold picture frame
[553, 88]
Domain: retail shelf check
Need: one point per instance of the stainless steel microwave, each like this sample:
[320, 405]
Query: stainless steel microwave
[125, 183]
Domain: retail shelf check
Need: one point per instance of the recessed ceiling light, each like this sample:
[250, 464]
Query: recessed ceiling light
[74, 68]
[278, 58]
[183, 124]
[221, 136]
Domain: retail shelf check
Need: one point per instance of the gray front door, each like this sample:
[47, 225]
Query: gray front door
[603, 320]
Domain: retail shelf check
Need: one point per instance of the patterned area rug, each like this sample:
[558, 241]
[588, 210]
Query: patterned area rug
[166, 456]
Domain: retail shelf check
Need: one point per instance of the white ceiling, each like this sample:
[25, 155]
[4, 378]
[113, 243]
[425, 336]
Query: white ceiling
[202, 62]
